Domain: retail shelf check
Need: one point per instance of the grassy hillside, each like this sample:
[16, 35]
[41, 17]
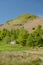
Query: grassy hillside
[18, 30]
[27, 48]
[23, 18]
[19, 22]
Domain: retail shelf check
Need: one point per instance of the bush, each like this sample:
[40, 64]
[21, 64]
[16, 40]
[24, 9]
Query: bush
[23, 37]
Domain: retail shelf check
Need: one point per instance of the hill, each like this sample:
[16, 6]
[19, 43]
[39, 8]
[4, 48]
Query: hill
[28, 21]
[16, 31]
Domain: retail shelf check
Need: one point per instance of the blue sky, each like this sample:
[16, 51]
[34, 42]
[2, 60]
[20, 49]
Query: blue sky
[10, 9]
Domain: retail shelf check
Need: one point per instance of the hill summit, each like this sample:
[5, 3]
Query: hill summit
[28, 21]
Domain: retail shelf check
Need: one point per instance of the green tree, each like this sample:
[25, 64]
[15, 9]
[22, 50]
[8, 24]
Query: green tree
[30, 40]
[23, 34]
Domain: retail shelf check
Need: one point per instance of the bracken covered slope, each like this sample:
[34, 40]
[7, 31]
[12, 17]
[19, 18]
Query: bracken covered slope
[28, 21]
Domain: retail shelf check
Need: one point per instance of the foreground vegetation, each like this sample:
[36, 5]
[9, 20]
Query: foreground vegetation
[21, 52]
[15, 47]
[21, 58]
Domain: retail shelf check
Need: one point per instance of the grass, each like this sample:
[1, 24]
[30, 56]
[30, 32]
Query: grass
[19, 58]
[23, 18]
[10, 47]
[16, 47]
[19, 55]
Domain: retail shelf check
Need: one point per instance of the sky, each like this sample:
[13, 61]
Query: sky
[10, 9]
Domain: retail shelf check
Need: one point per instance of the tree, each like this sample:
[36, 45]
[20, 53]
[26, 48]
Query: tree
[30, 40]
[23, 34]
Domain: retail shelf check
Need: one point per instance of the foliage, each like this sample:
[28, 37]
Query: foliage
[23, 37]
[23, 34]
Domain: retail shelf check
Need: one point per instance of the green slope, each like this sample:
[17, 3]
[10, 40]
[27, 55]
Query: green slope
[23, 18]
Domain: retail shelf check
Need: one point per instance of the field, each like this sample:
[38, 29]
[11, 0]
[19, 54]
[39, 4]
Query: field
[10, 47]
[16, 47]
[29, 57]
[19, 55]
